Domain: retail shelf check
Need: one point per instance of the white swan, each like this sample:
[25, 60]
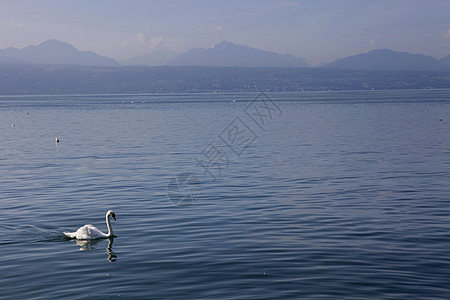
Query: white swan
[90, 232]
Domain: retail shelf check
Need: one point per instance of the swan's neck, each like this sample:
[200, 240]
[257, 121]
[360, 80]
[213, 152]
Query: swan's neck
[108, 224]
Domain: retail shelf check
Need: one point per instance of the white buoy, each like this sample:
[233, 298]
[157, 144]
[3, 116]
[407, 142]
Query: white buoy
[56, 140]
[12, 125]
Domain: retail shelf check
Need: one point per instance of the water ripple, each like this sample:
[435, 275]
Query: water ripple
[344, 196]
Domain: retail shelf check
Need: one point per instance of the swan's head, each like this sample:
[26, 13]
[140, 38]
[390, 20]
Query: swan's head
[112, 214]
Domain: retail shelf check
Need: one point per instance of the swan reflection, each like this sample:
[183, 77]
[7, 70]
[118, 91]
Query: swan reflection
[89, 245]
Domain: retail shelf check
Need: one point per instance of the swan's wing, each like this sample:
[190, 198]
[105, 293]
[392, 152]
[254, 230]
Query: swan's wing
[71, 235]
[95, 233]
[87, 232]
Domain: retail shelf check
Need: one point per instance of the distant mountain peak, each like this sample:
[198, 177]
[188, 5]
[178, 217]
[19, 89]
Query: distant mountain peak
[224, 44]
[228, 54]
[54, 42]
[387, 60]
[57, 52]
[56, 45]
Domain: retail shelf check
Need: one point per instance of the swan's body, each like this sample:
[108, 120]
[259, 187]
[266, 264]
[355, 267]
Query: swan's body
[90, 232]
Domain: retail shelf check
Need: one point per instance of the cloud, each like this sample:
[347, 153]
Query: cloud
[211, 34]
[157, 42]
[153, 43]
[11, 24]
[215, 28]
[211, 28]
[142, 38]
[126, 43]
[446, 35]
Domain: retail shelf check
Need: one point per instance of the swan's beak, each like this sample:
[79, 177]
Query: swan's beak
[114, 216]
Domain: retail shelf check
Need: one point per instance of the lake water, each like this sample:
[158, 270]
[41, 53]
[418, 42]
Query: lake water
[325, 195]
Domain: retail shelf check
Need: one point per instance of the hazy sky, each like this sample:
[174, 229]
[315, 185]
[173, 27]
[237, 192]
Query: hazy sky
[318, 30]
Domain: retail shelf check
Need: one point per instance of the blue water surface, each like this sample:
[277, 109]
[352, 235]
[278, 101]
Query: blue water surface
[325, 195]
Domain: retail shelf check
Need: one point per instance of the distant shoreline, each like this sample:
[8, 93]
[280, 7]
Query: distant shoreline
[211, 93]
[85, 80]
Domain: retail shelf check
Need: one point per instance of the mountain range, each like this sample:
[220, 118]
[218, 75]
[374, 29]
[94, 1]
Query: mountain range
[224, 54]
[56, 53]
[388, 60]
